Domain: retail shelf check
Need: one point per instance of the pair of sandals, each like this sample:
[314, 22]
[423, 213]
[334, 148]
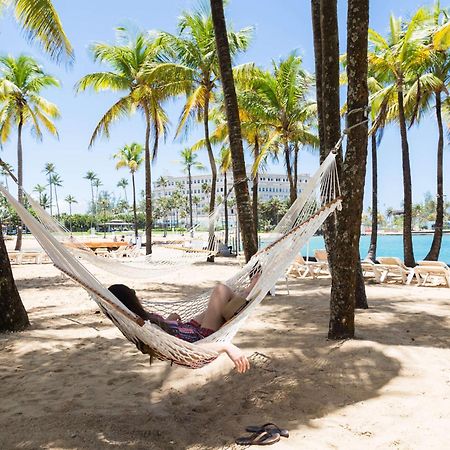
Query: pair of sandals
[266, 434]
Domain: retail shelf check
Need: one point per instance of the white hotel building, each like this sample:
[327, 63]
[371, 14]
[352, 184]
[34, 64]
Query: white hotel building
[270, 185]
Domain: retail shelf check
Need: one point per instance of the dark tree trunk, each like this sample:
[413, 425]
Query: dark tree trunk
[345, 251]
[296, 150]
[136, 234]
[19, 181]
[225, 205]
[287, 161]
[408, 252]
[13, 316]
[433, 254]
[243, 203]
[372, 253]
[255, 188]
[148, 184]
[57, 204]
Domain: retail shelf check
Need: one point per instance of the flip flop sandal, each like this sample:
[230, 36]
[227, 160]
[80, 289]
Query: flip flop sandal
[270, 427]
[262, 438]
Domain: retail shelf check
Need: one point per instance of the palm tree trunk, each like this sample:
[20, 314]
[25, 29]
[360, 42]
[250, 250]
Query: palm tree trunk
[287, 160]
[255, 188]
[372, 253]
[212, 163]
[93, 204]
[225, 205]
[407, 188]
[50, 188]
[190, 201]
[433, 254]
[20, 181]
[245, 215]
[13, 316]
[296, 150]
[57, 204]
[148, 187]
[136, 234]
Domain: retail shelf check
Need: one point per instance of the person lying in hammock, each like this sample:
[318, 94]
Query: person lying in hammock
[202, 325]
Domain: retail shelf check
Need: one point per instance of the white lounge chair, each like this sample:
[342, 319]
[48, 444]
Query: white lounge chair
[426, 269]
[393, 266]
[370, 269]
[322, 260]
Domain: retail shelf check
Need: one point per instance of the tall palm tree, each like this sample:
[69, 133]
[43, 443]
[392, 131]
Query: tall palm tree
[193, 56]
[123, 183]
[189, 162]
[49, 170]
[162, 182]
[96, 183]
[70, 199]
[91, 177]
[56, 182]
[40, 189]
[397, 57]
[130, 156]
[41, 21]
[22, 105]
[425, 91]
[132, 62]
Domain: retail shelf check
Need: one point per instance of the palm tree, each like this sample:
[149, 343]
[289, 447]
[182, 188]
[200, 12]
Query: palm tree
[162, 182]
[91, 177]
[194, 58]
[189, 161]
[96, 183]
[278, 102]
[398, 58]
[49, 170]
[132, 62]
[224, 166]
[41, 21]
[5, 170]
[40, 189]
[22, 80]
[56, 181]
[70, 199]
[130, 156]
[431, 85]
[123, 183]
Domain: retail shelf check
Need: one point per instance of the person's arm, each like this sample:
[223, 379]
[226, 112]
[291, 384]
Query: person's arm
[234, 353]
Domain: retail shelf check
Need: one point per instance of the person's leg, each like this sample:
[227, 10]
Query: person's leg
[213, 318]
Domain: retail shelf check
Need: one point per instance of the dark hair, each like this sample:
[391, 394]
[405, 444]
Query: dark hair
[128, 297]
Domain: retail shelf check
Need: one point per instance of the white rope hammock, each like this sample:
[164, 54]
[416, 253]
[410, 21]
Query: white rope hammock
[273, 260]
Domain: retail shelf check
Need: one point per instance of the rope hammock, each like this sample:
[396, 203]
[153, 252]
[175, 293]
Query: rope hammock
[273, 260]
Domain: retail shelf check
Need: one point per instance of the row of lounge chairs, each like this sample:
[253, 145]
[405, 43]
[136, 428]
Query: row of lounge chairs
[28, 257]
[386, 269]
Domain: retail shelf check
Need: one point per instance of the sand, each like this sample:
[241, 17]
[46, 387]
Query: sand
[71, 381]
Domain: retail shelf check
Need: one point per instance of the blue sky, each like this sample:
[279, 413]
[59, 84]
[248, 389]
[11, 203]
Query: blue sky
[280, 27]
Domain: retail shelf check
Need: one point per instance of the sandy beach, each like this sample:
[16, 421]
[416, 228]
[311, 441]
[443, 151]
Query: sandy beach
[71, 381]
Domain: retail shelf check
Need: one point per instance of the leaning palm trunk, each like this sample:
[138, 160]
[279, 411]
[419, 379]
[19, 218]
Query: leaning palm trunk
[148, 187]
[433, 254]
[20, 180]
[372, 253]
[407, 190]
[13, 316]
[243, 204]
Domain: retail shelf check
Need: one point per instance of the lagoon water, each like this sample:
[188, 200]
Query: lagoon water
[391, 245]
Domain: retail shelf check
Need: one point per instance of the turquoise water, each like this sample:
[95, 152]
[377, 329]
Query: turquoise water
[392, 245]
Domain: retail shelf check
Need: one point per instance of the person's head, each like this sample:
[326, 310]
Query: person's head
[128, 297]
